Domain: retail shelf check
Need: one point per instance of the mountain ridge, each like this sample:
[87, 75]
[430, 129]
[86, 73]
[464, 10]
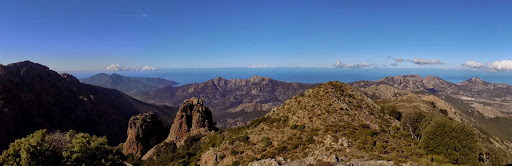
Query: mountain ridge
[128, 85]
[228, 98]
[35, 97]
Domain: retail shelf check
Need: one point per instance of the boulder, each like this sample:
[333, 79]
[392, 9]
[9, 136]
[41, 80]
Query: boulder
[144, 132]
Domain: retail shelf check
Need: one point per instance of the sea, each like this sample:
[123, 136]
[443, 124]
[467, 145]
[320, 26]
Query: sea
[304, 75]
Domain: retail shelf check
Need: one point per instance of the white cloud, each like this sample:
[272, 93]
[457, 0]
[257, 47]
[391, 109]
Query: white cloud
[503, 65]
[262, 66]
[473, 65]
[421, 61]
[353, 66]
[148, 68]
[418, 61]
[400, 60]
[117, 67]
[394, 64]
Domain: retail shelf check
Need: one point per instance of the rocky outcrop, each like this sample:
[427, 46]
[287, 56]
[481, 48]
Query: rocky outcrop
[192, 118]
[144, 132]
[208, 158]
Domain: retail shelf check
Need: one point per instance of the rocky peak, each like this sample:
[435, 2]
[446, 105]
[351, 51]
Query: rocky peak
[26, 66]
[472, 81]
[413, 76]
[144, 132]
[218, 81]
[114, 75]
[70, 78]
[258, 79]
[429, 77]
[414, 82]
[192, 118]
[435, 82]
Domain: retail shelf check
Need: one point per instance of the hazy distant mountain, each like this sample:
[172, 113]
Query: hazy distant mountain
[34, 97]
[487, 105]
[233, 102]
[128, 85]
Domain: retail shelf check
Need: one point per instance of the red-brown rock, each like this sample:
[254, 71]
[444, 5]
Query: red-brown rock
[144, 132]
[192, 118]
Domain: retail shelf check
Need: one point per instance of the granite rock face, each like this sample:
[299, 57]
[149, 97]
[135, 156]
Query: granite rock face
[192, 118]
[144, 132]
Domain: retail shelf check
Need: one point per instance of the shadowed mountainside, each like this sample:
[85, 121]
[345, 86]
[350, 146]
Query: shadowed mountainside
[34, 97]
[128, 85]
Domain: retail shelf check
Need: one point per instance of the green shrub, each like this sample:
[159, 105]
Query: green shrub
[234, 152]
[187, 154]
[235, 163]
[297, 127]
[266, 142]
[310, 140]
[256, 122]
[364, 126]
[393, 112]
[281, 149]
[71, 148]
[451, 140]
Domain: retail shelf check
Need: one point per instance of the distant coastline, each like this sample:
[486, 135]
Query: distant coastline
[303, 75]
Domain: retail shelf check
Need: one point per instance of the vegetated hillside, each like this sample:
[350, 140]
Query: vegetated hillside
[334, 123]
[128, 85]
[486, 105]
[415, 107]
[34, 97]
[233, 102]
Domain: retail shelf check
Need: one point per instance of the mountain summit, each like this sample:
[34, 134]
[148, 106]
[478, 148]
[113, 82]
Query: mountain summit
[317, 125]
[34, 97]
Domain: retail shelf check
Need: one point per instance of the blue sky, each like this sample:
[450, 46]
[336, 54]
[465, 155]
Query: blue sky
[88, 35]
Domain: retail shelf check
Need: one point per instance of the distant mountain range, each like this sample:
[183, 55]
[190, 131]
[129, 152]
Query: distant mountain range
[233, 102]
[34, 97]
[128, 85]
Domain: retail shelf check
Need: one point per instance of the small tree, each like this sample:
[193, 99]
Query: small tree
[35, 149]
[451, 140]
[414, 120]
[43, 148]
